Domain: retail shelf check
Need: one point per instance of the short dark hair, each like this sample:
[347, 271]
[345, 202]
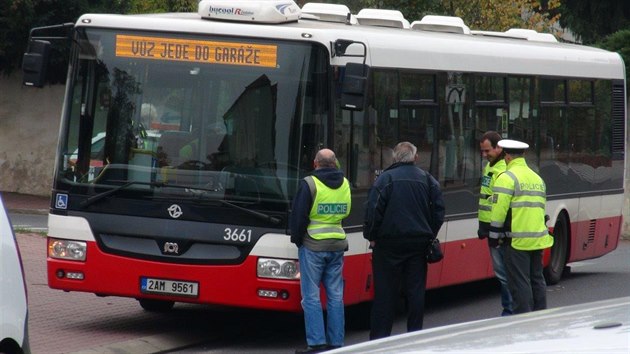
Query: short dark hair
[492, 136]
[514, 152]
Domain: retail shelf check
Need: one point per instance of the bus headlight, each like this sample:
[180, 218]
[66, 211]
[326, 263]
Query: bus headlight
[66, 249]
[278, 268]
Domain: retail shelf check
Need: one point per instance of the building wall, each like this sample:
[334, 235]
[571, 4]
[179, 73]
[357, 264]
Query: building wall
[29, 121]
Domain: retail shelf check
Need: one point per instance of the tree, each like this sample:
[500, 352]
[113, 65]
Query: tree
[14, 24]
[499, 15]
[489, 15]
[153, 6]
[412, 9]
[17, 17]
[591, 21]
[618, 42]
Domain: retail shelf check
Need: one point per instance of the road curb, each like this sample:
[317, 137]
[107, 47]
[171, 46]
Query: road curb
[148, 345]
[28, 211]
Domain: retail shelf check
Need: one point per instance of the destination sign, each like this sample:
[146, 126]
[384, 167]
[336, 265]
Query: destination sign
[197, 51]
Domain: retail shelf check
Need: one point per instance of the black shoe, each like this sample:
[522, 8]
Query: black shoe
[333, 347]
[313, 349]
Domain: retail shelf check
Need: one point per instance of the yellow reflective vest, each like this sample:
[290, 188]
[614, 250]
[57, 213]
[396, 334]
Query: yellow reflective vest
[518, 207]
[330, 206]
[490, 174]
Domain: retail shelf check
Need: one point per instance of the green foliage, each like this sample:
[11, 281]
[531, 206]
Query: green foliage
[412, 9]
[15, 21]
[158, 6]
[17, 17]
[592, 20]
[499, 15]
[618, 42]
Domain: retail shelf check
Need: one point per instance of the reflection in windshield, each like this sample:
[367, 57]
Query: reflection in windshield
[224, 129]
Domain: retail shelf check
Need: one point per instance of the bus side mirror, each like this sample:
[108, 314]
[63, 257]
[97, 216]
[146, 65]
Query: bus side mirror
[354, 87]
[35, 63]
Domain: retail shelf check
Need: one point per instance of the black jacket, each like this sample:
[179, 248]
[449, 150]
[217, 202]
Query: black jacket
[404, 207]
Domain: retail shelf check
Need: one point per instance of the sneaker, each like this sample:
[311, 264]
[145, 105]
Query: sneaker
[313, 349]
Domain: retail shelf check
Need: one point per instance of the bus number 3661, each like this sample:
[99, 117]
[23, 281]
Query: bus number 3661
[237, 235]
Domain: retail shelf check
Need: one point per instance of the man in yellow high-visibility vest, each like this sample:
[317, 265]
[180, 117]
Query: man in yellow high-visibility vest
[518, 213]
[321, 202]
[491, 151]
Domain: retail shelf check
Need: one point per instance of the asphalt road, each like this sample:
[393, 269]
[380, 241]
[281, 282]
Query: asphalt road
[29, 222]
[247, 332]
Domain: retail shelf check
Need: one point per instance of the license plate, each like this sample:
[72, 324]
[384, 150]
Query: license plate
[168, 287]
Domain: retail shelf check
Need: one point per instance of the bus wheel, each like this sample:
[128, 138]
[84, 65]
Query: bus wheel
[152, 305]
[557, 263]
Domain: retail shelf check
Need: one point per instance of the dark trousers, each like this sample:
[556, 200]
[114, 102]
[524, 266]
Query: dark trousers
[390, 267]
[525, 280]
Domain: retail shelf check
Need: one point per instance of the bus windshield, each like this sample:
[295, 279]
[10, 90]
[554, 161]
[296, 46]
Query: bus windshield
[198, 114]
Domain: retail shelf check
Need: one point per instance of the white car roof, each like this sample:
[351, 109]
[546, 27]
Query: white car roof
[597, 327]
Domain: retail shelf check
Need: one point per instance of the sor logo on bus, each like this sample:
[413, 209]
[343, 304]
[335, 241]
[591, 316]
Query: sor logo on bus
[175, 211]
[171, 247]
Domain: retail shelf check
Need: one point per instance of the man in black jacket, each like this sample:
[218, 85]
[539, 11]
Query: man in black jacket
[404, 211]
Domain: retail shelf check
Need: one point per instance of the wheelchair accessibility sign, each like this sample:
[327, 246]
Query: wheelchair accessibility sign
[61, 201]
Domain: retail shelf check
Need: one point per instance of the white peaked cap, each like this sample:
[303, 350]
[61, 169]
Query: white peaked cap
[512, 144]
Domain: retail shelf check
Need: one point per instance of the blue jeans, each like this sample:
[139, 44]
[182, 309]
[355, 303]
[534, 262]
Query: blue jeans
[325, 268]
[498, 265]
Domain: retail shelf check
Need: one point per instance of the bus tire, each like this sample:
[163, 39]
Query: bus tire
[558, 260]
[152, 305]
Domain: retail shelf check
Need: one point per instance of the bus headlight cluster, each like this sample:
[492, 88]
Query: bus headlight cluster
[278, 268]
[66, 249]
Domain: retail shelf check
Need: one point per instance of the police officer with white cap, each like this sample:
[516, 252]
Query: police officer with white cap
[518, 213]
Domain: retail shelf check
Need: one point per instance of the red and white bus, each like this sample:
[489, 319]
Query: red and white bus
[206, 122]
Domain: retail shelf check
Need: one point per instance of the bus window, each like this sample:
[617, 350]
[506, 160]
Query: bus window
[458, 145]
[418, 115]
[522, 107]
[416, 126]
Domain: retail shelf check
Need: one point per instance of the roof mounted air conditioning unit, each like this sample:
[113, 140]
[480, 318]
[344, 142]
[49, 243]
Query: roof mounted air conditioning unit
[448, 24]
[328, 12]
[531, 35]
[261, 11]
[383, 18]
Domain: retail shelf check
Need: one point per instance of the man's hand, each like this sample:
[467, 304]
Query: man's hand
[481, 234]
[372, 243]
[493, 242]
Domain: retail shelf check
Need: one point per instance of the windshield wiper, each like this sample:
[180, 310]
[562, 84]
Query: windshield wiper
[269, 218]
[95, 198]
[199, 196]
